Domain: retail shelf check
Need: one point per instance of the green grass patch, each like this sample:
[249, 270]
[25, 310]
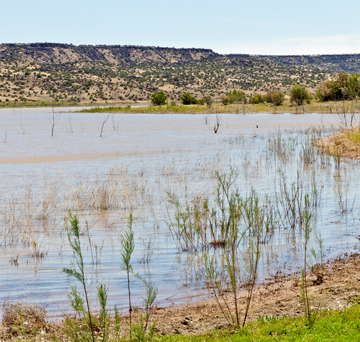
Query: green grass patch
[191, 109]
[31, 104]
[313, 107]
[330, 326]
[354, 137]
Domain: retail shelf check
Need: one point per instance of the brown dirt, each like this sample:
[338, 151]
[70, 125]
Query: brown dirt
[335, 285]
[340, 144]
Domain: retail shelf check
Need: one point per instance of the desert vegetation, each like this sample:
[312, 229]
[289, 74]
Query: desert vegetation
[58, 75]
[337, 95]
[330, 107]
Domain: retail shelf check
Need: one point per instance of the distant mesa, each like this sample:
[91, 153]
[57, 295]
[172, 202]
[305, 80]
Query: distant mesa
[128, 55]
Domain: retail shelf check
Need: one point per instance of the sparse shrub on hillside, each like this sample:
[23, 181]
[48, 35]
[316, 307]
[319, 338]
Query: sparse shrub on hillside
[61, 83]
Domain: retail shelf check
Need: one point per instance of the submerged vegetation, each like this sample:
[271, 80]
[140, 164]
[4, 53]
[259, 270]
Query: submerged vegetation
[227, 227]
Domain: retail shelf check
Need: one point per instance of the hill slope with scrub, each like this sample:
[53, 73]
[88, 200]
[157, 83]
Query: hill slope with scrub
[55, 74]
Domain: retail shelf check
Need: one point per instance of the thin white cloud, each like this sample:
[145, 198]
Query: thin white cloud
[327, 39]
[338, 44]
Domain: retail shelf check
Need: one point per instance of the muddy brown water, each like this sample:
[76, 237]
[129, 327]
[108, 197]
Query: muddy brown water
[139, 158]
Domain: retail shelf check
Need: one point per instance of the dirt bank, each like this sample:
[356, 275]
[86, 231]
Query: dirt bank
[336, 285]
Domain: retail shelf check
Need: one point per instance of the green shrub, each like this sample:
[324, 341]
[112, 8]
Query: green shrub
[208, 101]
[187, 99]
[158, 99]
[237, 96]
[225, 100]
[342, 87]
[257, 98]
[299, 95]
[275, 97]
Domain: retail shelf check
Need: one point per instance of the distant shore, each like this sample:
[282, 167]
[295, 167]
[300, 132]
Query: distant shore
[59, 104]
[348, 107]
[217, 108]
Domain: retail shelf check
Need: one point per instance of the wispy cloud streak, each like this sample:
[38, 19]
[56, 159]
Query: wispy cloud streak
[336, 44]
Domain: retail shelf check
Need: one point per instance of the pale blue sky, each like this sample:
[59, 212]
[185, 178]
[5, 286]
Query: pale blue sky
[255, 27]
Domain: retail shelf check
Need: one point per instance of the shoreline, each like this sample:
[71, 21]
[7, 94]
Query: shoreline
[241, 109]
[338, 108]
[334, 286]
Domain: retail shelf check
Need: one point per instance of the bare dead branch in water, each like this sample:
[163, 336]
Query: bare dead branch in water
[217, 125]
[53, 120]
[5, 135]
[103, 124]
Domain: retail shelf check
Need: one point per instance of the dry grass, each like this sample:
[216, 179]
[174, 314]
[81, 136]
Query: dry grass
[112, 190]
[29, 216]
[26, 322]
[20, 313]
[345, 144]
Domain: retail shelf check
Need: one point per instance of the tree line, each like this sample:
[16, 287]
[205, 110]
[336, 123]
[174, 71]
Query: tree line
[342, 87]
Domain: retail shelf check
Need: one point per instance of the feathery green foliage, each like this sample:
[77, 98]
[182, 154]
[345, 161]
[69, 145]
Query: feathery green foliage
[142, 331]
[127, 248]
[77, 270]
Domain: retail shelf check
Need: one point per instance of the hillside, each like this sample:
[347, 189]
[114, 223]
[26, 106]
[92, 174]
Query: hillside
[51, 53]
[60, 73]
[348, 63]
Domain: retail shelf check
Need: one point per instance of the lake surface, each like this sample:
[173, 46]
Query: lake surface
[130, 169]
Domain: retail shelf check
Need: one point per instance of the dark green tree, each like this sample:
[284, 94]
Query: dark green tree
[275, 97]
[299, 95]
[257, 98]
[158, 99]
[353, 86]
[237, 96]
[187, 99]
[341, 87]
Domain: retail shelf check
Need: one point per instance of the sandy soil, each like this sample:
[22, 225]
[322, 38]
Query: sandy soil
[336, 285]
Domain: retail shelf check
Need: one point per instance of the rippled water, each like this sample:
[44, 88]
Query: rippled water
[139, 158]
